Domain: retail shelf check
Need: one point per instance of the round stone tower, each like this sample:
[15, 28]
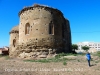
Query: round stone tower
[43, 31]
[14, 37]
[40, 23]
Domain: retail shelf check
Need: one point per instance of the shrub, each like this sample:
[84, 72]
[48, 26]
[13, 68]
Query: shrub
[64, 63]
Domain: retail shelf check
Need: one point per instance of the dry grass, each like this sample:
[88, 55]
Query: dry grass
[76, 65]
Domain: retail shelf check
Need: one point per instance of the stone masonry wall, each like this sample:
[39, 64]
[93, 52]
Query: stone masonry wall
[39, 42]
[39, 20]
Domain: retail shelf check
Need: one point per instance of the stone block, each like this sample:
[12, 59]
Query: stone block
[42, 56]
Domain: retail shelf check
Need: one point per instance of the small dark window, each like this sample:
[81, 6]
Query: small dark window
[51, 12]
[51, 28]
[14, 42]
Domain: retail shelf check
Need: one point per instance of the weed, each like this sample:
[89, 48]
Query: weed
[98, 54]
[7, 57]
[96, 61]
[78, 60]
[64, 63]
[1, 55]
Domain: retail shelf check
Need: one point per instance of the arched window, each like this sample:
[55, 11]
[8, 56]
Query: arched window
[14, 42]
[27, 28]
[51, 28]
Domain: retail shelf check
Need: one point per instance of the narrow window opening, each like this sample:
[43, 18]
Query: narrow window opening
[51, 12]
[14, 42]
[51, 29]
[27, 28]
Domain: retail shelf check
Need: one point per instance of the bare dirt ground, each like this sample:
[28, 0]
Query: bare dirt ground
[76, 65]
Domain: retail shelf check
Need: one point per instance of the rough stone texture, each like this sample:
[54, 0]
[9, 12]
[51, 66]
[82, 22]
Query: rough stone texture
[41, 41]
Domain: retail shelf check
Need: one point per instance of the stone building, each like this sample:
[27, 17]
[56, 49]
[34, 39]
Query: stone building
[42, 32]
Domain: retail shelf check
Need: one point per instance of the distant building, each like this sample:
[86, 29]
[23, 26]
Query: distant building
[4, 50]
[92, 45]
[1, 50]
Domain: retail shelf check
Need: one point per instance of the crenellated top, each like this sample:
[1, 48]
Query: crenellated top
[15, 29]
[13, 32]
[50, 9]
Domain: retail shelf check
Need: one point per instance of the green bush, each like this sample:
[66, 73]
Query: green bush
[64, 63]
[78, 60]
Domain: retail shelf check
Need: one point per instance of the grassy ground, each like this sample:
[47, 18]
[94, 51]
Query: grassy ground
[62, 64]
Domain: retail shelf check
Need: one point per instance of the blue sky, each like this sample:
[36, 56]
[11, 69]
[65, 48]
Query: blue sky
[84, 17]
